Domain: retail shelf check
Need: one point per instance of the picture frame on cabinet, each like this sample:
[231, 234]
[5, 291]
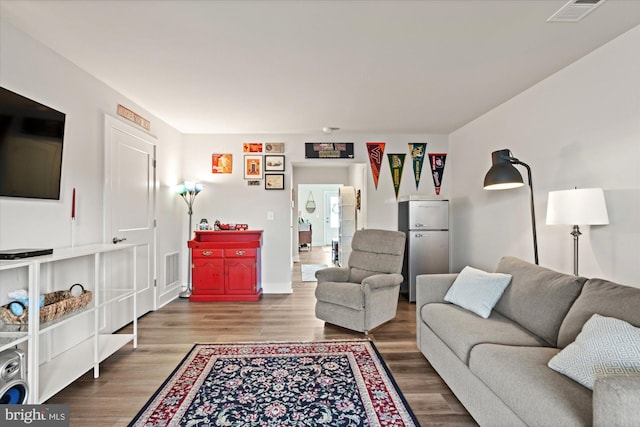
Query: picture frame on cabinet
[274, 181]
[273, 163]
[252, 167]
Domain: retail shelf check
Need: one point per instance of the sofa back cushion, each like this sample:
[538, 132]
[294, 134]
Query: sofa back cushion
[376, 252]
[604, 298]
[537, 298]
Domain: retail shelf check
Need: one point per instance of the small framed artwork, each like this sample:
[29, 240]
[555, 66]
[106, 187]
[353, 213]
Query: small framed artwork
[273, 163]
[274, 181]
[253, 182]
[274, 147]
[221, 163]
[252, 167]
[252, 147]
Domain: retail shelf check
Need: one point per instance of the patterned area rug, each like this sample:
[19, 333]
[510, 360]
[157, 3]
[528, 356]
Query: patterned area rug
[309, 271]
[335, 383]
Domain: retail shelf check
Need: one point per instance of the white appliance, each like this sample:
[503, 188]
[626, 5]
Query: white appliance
[426, 224]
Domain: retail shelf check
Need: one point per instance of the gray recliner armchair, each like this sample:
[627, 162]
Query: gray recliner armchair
[363, 295]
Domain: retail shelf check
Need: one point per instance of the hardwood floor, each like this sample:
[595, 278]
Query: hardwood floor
[130, 377]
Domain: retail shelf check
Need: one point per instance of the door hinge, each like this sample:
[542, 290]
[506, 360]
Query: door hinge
[154, 163]
[155, 283]
[155, 223]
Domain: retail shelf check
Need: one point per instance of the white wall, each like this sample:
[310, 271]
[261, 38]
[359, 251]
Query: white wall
[229, 199]
[580, 127]
[32, 70]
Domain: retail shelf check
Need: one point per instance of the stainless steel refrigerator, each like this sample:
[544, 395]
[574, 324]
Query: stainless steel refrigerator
[426, 224]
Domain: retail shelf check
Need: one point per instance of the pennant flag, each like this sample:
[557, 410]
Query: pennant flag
[376, 150]
[396, 164]
[417, 151]
[437, 168]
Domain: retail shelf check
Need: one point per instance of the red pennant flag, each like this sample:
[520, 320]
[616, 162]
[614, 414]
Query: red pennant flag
[376, 151]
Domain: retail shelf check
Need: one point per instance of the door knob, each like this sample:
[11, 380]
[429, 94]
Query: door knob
[116, 240]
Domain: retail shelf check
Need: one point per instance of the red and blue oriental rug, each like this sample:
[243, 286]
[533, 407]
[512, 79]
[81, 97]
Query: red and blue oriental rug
[335, 383]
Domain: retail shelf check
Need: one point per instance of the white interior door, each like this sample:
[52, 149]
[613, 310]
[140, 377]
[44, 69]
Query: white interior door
[129, 213]
[331, 216]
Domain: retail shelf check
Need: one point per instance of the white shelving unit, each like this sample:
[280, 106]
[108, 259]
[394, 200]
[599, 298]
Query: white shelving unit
[49, 371]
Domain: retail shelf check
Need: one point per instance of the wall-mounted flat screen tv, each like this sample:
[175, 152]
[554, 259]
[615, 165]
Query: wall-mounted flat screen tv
[31, 138]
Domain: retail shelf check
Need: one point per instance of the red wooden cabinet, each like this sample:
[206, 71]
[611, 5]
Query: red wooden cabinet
[226, 265]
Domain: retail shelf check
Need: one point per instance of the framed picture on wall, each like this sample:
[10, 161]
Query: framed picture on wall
[252, 167]
[252, 147]
[274, 181]
[221, 163]
[274, 147]
[273, 163]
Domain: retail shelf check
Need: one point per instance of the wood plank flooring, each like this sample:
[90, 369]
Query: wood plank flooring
[130, 377]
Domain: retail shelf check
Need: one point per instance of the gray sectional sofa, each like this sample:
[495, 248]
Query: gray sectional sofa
[497, 367]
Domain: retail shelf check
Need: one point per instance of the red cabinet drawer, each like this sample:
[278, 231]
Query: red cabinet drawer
[206, 253]
[240, 253]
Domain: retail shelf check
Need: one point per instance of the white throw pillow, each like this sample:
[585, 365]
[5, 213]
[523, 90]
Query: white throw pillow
[605, 347]
[477, 290]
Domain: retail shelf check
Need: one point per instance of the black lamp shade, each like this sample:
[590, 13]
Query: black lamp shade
[503, 174]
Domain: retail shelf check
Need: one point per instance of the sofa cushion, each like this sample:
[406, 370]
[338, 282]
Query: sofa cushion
[477, 290]
[605, 347]
[602, 297]
[519, 376]
[537, 298]
[341, 293]
[461, 330]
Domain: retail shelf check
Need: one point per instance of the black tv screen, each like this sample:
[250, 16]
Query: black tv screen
[31, 139]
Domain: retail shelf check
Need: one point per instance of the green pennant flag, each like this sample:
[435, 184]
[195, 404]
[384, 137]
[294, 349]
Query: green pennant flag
[417, 151]
[396, 164]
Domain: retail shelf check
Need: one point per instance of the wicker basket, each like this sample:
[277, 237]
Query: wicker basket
[56, 304]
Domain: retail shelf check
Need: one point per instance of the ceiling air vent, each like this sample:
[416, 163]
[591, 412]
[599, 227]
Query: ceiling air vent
[575, 10]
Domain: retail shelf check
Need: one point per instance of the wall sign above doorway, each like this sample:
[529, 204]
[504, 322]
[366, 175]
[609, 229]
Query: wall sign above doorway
[133, 117]
[328, 150]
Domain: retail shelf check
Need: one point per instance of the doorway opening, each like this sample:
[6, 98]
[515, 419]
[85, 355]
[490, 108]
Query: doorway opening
[316, 209]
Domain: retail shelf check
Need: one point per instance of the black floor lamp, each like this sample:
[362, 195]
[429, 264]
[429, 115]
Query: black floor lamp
[503, 176]
[188, 191]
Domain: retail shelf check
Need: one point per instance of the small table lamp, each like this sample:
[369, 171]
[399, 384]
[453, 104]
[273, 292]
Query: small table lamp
[585, 206]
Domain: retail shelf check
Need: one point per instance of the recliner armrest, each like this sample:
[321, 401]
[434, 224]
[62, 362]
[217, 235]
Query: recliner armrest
[616, 401]
[378, 281]
[333, 274]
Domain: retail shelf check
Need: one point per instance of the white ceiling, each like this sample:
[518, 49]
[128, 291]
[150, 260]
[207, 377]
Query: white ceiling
[297, 66]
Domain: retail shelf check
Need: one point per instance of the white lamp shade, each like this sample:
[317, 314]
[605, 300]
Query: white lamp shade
[584, 206]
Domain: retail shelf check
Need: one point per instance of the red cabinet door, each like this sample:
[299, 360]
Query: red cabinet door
[208, 276]
[240, 269]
